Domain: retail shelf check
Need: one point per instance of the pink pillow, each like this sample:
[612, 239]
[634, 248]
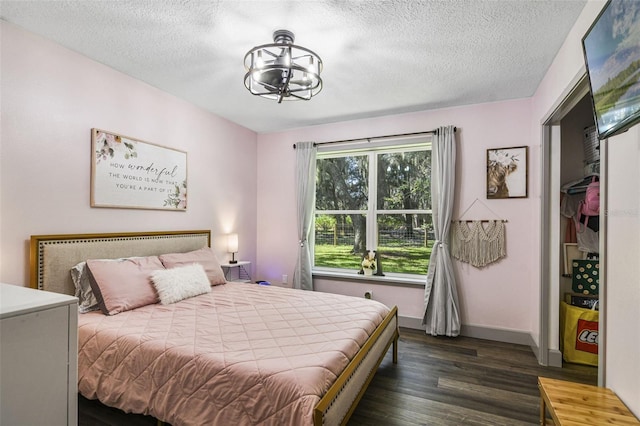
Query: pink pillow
[203, 256]
[124, 284]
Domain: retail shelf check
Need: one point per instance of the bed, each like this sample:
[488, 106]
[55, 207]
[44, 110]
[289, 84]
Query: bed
[241, 353]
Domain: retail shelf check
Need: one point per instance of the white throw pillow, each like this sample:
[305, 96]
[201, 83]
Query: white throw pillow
[180, 283]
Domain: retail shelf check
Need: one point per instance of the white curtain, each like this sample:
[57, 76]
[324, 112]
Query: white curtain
[305, 202]
[442, 315]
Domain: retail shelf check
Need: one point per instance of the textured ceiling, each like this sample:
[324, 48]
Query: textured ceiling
[380, 57]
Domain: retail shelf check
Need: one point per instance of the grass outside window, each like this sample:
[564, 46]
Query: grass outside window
[404, 260]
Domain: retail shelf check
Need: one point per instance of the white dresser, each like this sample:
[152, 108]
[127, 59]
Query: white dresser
[38, 357]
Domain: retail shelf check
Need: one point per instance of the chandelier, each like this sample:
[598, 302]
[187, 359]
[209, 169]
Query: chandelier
[282, 70]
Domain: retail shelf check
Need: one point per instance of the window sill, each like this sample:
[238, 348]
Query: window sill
[388, 279]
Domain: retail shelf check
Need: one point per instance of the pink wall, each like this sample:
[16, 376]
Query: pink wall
[620, 371]
[562, 76]
[490, 297]
[51, 98]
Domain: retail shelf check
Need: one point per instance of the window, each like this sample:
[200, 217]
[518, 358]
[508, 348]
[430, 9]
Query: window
[374, 199]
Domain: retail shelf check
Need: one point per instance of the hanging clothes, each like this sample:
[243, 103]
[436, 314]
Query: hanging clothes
[568, 205]
[585, 234]
[476, 244]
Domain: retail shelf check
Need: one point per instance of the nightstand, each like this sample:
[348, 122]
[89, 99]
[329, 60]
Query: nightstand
[237, 272]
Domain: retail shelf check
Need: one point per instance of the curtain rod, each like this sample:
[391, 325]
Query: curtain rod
[369, 139]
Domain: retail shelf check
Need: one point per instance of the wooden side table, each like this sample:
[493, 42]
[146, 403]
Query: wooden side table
[576, 404]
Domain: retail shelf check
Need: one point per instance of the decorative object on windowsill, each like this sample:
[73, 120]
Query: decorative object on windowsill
[371, 264]
[474, 243]
[282, 70]
[379, 264]
[232, 246]
[368, 263]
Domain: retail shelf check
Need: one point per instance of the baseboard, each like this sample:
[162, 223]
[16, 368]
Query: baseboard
[497, 334]
[410, 322]
[554, 358]
[487, 333]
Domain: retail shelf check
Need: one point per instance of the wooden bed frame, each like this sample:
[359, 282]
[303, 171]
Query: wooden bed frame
[52, 257]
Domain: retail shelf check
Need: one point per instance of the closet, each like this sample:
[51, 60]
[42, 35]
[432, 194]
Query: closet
[574, 236]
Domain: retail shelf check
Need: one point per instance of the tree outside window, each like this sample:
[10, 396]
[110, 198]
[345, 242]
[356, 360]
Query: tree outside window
[376, 199]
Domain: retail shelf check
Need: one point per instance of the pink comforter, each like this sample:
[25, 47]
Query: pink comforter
[242, 354]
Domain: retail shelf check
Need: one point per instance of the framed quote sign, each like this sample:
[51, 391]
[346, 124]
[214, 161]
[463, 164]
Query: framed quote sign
[130, 173]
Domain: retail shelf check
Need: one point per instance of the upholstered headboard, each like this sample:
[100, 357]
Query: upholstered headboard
[53, 256]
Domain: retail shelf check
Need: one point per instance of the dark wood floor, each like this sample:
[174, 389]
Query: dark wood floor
[437, 381]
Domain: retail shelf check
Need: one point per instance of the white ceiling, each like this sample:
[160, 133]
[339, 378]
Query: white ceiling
[380, 57]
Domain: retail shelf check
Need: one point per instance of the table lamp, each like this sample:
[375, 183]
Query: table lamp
[232, 246]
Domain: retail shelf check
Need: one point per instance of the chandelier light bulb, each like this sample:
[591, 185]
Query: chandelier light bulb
[259, 60]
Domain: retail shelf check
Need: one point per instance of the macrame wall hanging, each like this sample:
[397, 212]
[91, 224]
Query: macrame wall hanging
[478, 242]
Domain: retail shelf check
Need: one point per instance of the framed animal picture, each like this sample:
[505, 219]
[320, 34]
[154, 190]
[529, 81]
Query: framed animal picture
[507, 175]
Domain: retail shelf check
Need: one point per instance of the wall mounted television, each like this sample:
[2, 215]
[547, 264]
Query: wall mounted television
[611, 50]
